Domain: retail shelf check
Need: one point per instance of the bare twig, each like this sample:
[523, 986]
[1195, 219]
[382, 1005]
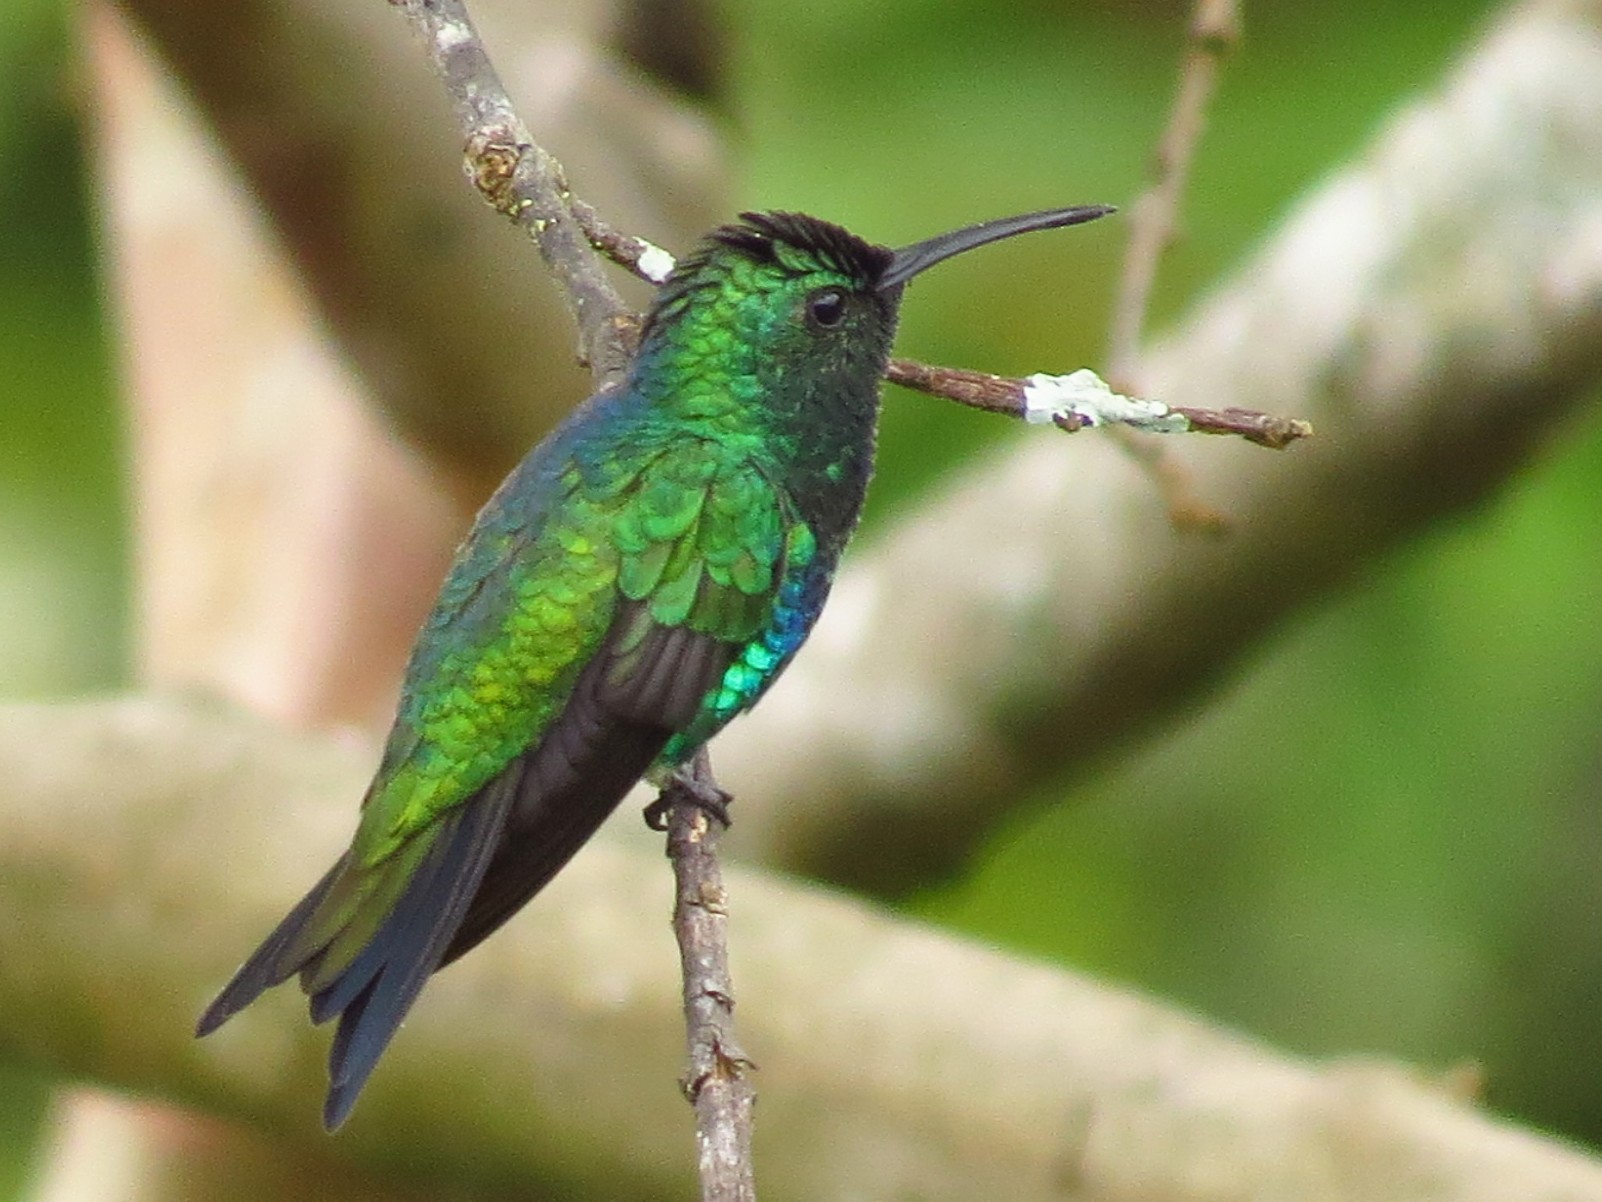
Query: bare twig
[521, 180]
[629, 251]
[1214, 29]
[1040, 398]
[977, 390]
[717, 1082]
[1264, 429]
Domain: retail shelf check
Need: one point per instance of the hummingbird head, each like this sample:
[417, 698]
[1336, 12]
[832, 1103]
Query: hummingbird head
[776, 332]
[792, 296]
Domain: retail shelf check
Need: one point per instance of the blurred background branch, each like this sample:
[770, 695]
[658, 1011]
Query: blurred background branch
[925, 1065]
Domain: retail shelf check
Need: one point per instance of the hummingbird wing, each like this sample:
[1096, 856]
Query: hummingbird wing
[703, 545]
[575, 637]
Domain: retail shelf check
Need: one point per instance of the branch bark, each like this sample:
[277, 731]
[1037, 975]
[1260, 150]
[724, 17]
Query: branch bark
[521, 180]
[717, 1081]
[926, 1065]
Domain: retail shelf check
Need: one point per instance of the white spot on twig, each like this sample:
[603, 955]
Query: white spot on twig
[655, 264]
[1085, 395]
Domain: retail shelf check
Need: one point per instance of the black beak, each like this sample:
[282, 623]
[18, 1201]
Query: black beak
[910, 260]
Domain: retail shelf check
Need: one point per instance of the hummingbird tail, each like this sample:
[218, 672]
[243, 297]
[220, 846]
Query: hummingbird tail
[373, 993]
[366, 939]
[385, 971]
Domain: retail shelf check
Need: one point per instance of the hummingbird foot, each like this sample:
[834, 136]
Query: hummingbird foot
[691, 784]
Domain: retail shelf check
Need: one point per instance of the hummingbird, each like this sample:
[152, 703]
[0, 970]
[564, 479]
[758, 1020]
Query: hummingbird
[640, 578]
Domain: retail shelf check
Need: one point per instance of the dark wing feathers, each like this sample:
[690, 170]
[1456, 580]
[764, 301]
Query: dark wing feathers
[662, 675]
[613, 727]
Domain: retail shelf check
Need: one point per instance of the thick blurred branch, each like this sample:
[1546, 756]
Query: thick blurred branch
[1435, 309]
[275, 522]
[144, 836]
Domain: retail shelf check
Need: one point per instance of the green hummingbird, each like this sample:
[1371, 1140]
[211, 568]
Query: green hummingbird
[641, 577]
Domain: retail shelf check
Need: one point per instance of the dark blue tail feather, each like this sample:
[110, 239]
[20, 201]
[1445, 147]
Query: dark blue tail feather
[267, 966]
[373, 995]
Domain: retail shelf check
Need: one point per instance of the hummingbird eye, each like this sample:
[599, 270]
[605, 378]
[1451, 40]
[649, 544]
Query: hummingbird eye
[826, 308]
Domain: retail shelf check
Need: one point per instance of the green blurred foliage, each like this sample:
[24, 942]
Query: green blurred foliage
[1380, 836]
[62, 583]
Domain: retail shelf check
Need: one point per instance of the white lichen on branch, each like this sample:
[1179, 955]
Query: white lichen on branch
[1086, 398]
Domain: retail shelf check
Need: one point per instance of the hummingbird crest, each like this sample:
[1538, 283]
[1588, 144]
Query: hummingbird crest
[797, 241]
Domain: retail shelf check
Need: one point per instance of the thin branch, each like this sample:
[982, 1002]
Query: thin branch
[629, 251]
[1071, 403]
[1214, 30]
[522, 181]
[717, 1082]
[975, 389]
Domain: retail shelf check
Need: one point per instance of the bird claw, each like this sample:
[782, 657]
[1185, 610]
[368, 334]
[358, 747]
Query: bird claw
[692, 788]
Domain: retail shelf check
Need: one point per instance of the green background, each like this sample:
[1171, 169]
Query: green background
[1380, 836]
